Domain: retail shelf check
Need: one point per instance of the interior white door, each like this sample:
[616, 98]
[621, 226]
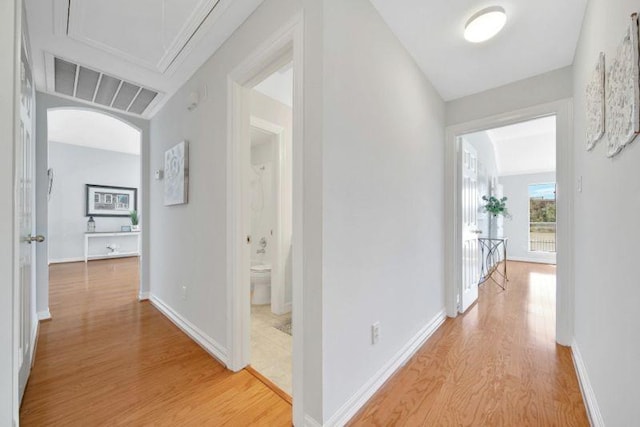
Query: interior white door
[25, 203]
[470, 230]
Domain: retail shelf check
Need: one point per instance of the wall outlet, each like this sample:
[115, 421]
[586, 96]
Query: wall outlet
[375, 333]
[184, 292]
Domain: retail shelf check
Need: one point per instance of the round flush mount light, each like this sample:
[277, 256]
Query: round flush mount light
[485, 24]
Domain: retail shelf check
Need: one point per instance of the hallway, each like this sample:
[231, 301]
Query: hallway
[107, 359]
[496, 365]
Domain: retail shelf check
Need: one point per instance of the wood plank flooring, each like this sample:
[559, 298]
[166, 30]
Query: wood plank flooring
[107, 359]
[498, 365]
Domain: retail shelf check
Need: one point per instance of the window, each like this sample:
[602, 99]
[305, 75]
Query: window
[542, 217]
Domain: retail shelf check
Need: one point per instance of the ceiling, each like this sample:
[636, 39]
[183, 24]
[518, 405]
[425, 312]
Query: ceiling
[279, 85]
[523, 148]
[540, 36]
[153, 44]
[93, 130]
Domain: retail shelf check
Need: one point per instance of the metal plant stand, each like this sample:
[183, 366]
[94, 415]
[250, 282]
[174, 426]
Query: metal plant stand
[493, 251]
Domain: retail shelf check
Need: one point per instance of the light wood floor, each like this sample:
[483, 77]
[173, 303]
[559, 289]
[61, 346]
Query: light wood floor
[107, 359]
[498, 365]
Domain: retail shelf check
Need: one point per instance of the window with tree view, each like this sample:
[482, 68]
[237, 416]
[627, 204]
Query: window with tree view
[542, 217]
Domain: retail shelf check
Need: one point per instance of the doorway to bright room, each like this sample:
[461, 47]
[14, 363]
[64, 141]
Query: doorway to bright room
[507, 208]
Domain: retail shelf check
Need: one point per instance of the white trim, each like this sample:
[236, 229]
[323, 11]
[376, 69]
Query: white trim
[63, 260]
[551, 261]
[588, 395]
[309, 421]
[203, 340]
[144, 296]
[286, 42]
[361, 397]
[563, 110]
[44, 315]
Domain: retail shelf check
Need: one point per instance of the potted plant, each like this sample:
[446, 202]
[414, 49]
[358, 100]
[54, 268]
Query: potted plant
[495, 207]
[134, 221]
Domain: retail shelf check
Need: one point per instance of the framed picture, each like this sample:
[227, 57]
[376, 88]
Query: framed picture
[176, 174]
[104, 200]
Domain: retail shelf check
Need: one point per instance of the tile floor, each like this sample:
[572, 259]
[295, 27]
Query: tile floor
[270, 347]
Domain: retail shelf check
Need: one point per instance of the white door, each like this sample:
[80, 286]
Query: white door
[470, 230]
[25, 199]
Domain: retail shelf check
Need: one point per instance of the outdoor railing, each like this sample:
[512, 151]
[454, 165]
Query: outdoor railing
[542, 236]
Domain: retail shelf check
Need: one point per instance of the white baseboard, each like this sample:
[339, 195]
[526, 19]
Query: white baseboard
[143, 296]
[35, 333]
[202, 339]
[63, 260]
[589, 397]
[360, 398]
[44, 315]
[533, 260]
[309, 421]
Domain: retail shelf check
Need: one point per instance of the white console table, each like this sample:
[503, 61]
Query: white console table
[115, 234]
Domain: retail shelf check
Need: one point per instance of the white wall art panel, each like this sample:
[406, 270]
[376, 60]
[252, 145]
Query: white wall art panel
[176, 170]
[623, 92]
[595, 100]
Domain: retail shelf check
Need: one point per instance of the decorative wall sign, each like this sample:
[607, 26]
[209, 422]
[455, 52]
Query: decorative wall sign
[104, 200]
[623, 92]
[595, 104]
[176, 174]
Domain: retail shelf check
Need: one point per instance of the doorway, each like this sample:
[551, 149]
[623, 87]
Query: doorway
[283, 48]
[467, 179]
[93, 193]
[269, 186]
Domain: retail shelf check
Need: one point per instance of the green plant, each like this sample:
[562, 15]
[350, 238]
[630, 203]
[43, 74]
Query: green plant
[134, 217]
[496, 206]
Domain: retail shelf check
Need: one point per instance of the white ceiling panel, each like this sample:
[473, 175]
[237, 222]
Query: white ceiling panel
[149, 33]
[154, 44]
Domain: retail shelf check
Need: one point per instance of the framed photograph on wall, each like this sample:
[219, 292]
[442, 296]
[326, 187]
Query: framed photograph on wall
[104, 200]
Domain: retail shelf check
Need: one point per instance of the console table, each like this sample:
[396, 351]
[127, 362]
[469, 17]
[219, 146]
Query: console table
[115, 234]
[492, 252]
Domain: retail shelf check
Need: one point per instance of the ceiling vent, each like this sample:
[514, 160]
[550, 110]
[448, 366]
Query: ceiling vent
[83, 83]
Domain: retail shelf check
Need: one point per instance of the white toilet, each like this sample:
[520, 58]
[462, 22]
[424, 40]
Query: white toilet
[261, 284]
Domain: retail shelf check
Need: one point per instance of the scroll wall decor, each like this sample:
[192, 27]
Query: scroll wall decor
[623, 92]
[176, 174]
[595, 104]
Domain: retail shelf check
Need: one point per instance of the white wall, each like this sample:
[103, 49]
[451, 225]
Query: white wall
[190, 241]
[541, 89]
[383, 198]
[73, 167]
[516, 228]
[607, 232]
[9, 27]
[262, 202]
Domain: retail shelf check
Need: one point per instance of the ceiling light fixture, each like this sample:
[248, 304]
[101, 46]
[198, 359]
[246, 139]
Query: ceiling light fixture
[485, 24]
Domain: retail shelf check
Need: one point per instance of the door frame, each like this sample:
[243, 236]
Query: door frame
[285, 45]
[563, 110]
[280, 156]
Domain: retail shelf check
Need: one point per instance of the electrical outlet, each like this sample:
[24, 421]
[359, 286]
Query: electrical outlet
[375, 333]
[184, 292]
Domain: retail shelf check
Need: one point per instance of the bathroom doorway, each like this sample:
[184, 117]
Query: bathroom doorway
[270, 188]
